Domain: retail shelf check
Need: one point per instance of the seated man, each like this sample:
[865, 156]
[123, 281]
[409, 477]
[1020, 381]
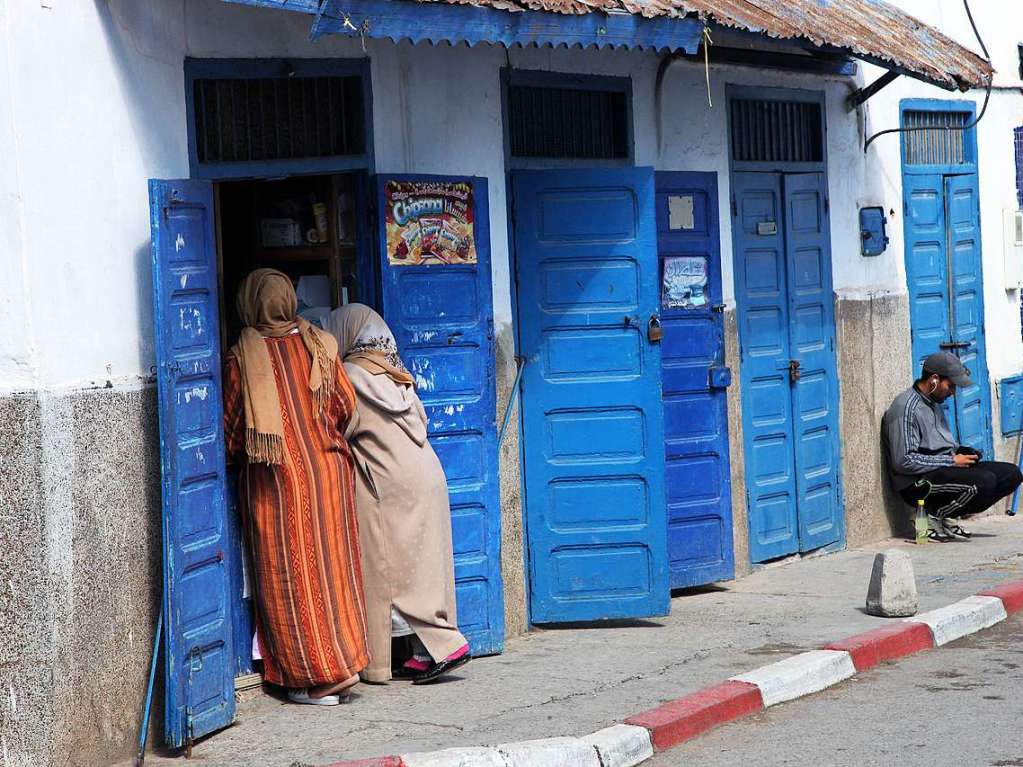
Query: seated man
[925, 460]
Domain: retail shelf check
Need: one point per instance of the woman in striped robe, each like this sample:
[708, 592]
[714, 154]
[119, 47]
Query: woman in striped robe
[287, 402]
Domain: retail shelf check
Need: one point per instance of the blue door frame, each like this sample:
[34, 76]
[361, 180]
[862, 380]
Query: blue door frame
[944, 270]
[694, 378]
[592, 432]
[785, 310]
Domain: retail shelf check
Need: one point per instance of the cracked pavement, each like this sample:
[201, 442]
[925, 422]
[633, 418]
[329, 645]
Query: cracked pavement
[577, 679]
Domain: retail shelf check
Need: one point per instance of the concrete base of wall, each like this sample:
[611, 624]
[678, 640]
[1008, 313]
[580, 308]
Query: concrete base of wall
[80, 572]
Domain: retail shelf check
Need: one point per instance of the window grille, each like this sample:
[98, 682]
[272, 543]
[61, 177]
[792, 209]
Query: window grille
[278, 118]
[1019, 164]
[940, 143]
[776, 131]
[568, 123]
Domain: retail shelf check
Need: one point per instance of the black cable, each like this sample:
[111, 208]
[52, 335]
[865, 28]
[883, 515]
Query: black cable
[977, 119]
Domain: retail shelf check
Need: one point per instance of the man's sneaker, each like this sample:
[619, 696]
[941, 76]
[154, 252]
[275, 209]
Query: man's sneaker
[937, 530]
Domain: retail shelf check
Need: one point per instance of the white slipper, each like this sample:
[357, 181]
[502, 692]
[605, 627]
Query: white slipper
[302, 696]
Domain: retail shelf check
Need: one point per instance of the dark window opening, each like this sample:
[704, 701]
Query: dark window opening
[937, 138]
[249, 120]
[568, 123]
[776, 131]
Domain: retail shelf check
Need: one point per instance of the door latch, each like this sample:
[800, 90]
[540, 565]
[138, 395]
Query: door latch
[794, 372]
[955, 345]
[654, 331]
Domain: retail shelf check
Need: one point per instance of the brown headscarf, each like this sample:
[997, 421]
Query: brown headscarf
[365, 340]
[268, 308]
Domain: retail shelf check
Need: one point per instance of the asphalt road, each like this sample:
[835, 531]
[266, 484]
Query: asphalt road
[959, 705]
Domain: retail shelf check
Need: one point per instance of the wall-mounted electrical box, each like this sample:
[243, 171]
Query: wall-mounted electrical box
[1013, 238]
[873, 231]
[1010, 396]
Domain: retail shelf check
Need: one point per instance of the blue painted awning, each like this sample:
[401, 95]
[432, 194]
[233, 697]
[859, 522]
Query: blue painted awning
[442, 22]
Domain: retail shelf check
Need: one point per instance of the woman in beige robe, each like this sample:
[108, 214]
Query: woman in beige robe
[401, 500]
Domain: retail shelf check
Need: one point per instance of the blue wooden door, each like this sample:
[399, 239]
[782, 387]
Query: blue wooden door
[761, 286]
[592, 425]
[815, 394]
[198, 651]
[443, 320]
[966, 288]
[789, 381]
[693, 381]
[944, 273]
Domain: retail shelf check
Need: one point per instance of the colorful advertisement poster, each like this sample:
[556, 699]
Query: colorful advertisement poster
[429, 222]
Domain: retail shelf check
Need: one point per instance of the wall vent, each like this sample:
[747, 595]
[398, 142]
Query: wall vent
[568, 123]
[939, 138]
[776, 131]
[278, 118]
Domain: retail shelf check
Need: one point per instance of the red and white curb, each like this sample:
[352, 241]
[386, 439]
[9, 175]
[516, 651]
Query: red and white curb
[635, 741]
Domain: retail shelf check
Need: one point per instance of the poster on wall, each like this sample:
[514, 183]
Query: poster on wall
[684, 282]
[429, 222]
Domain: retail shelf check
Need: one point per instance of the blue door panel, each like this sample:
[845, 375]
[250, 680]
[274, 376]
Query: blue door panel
[697, 473]
[198, 546]
[442, 319]
[789, 372]
[962, 215]
[761, 287]
[945, 278]
[815, 394]
[592, 420]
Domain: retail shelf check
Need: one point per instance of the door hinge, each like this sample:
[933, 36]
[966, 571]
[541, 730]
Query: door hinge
[827, 204]
[735, 207]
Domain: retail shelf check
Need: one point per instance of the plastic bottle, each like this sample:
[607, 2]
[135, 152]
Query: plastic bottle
[920, 522]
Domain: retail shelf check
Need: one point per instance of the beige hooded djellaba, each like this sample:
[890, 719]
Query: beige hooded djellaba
[401, 497]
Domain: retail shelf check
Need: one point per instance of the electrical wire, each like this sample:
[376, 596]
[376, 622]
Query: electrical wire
[969, 126]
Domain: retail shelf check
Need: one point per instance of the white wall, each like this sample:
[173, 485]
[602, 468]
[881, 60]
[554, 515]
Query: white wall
[92, 124]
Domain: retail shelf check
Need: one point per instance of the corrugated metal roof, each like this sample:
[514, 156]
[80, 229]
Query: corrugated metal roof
[869, 29]
[872, 30]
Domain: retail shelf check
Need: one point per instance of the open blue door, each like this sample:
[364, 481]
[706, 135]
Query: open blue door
[198, 650]
[436, 297]
[761, 286]
[694, 381]
[592, 420]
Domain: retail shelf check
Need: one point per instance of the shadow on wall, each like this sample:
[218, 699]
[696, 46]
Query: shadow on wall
[144, 304]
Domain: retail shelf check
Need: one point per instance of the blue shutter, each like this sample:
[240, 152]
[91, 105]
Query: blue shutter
[586, 259]
[443, 320]
[198, 653]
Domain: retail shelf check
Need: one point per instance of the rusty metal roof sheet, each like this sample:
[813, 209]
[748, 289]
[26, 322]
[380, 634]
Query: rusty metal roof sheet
[870, 29]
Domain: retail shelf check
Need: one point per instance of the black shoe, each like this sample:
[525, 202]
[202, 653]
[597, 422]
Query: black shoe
[437, 670]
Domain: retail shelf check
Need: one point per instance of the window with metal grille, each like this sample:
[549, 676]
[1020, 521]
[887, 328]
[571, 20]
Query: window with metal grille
[568, 123]
[938, 138]
[776, 131]
[1018, 136]
[278, 118]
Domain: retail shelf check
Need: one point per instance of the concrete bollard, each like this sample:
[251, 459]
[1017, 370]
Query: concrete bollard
[892, 592]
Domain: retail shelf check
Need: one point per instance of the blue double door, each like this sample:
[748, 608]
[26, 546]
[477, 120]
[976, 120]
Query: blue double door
[603, 539]
[790, 393]
[946, 293]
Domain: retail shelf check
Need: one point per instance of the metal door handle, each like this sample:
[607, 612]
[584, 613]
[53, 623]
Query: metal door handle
[955, 345]
[794, 372]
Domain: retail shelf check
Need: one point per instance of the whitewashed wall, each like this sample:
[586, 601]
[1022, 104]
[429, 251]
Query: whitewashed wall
[87, 127]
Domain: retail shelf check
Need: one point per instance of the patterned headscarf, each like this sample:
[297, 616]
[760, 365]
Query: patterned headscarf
[365, 340]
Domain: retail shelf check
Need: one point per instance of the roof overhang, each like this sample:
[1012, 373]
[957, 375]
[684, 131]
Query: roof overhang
[871, 30]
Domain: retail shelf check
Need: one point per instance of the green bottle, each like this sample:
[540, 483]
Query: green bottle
[921, 522]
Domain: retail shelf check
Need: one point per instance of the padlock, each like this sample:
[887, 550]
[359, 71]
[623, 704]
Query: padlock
[654, 331]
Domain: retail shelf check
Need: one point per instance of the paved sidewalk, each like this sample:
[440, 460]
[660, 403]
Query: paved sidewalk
[580, 679]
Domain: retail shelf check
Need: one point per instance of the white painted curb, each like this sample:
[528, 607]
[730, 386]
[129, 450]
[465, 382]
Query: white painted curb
[550, 752]
[622, 745]
[456, 757]
[799, 675]
[961, 618]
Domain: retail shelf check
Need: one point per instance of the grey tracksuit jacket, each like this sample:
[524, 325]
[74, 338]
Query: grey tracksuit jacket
[916, 438]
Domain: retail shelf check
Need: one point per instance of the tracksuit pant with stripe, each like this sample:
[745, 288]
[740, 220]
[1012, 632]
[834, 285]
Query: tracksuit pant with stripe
[959, 491]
